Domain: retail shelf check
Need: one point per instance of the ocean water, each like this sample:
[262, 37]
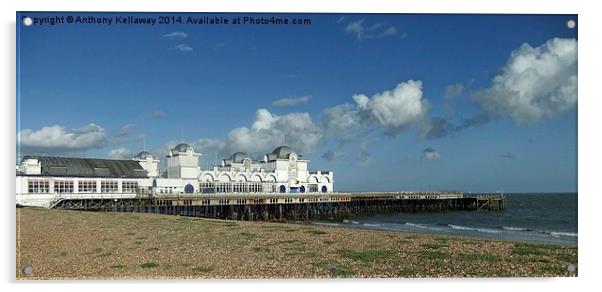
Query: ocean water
[544, 217]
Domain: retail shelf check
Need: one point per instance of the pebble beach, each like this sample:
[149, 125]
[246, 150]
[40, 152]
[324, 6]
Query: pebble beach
[59, 244]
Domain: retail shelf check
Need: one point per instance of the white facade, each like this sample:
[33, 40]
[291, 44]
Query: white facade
[183, 162]
[149, 163]
[281, 171]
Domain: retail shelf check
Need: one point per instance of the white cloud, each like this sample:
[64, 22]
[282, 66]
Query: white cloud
[125, 130]
[175, 35]
[209, 147]
[268, 130]
[395, 109]
[342, 118]
[430, 154]
[120, 153]
[362, 32]
[390, 31]
[534, 83]
[357, 28]
[183, 48]
[58, 139]
[291, 101]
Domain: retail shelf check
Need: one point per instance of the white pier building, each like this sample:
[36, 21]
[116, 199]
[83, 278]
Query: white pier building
[40, 180]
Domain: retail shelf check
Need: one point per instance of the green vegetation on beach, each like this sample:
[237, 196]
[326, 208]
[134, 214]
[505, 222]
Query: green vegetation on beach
[62, 244]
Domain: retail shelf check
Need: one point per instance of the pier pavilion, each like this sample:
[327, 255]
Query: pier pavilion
[41, 180]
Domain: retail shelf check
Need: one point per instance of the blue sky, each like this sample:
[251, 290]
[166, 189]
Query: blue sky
[506, 110]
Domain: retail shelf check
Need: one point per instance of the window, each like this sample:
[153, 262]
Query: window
[63, 186]
[108, 186]
[207, 187]
[224, 187]
[129, 186]
[313, 188]
[86, 186]
[38, 186]
[254, 187]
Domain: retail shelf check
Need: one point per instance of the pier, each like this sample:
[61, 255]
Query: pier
[282, 207]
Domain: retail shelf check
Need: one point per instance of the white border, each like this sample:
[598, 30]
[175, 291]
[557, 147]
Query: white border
[589, 141]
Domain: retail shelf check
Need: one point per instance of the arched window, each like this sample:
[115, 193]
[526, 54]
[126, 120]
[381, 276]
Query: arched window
[189, 189]
[302, 189]
[282, 189]
[324, 189]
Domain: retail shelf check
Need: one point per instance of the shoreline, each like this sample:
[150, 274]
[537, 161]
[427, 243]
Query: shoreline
[61, 244]
[434, 233]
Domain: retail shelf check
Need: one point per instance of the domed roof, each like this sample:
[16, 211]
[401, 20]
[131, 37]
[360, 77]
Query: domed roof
[182, 147]
[143, 155]
[283, 152]
[238, 157]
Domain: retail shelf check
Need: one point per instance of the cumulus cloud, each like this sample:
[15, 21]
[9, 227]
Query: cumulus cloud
[430, 154]
[210, 146]
[175, 35]
[120, 153]
[59, 140]
[363, 32]
[267, 130]
[342, 121]
[291, 101]
[534, 83]
[394, 109]
[183, 48]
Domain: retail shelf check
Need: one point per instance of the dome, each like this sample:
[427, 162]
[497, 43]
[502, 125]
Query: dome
[142, 155]
[182, 147]
[283, 152]
[238, 157]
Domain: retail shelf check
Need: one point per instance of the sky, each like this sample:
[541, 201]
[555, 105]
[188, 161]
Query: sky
[389, 102]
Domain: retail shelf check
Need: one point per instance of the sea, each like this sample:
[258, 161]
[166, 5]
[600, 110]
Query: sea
[529, 217]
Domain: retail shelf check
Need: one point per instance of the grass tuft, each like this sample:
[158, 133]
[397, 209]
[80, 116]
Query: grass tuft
[367, 256]
[202, 269]
[149, 265]
[434, 246]
[316, 232]
[335, 269]
[409, 272]
[479, 257]
[526, 249]
[117, 266]
[247, 235]
[433, 255]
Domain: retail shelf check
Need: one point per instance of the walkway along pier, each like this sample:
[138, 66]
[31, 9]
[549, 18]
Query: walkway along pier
[282, 207]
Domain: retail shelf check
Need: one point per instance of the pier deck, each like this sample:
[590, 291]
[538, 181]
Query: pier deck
[281, 207]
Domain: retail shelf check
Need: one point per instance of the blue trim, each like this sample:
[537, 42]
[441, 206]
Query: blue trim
[189, 189]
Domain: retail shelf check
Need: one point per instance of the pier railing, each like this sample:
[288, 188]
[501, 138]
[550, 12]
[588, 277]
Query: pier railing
[279, 206]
